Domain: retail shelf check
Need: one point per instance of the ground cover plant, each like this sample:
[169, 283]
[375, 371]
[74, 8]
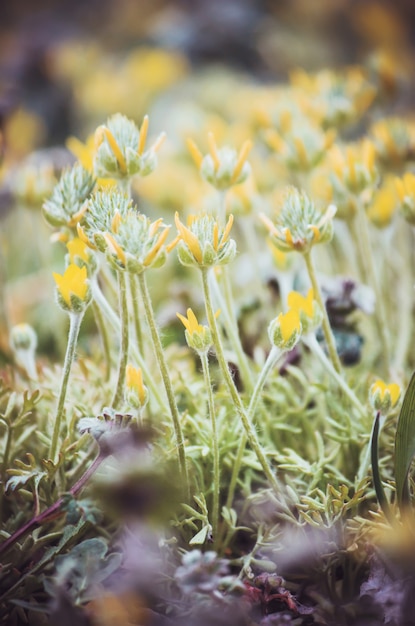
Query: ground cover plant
[227, 436]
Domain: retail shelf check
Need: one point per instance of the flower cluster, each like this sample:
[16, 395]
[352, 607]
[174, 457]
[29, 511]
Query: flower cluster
[66, 205]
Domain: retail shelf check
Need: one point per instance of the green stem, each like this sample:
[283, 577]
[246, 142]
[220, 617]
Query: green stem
[123, 358]
[250, 432]
[231, 327]
[312, 343]
[273, 357]
[136, 312]
[328, 334]
[357, 240]
[166, 379]
[215, 445]
[377, 481]
[75, 320]
[103, 331]
[114, 320]
[380, 308]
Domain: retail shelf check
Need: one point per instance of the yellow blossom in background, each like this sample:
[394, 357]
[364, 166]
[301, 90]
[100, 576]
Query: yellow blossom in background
[136, 391]
[302, 303]
[77, 248]
[24, 131]
[383, 204]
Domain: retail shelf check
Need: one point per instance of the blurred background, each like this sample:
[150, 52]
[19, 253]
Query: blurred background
[65, 65]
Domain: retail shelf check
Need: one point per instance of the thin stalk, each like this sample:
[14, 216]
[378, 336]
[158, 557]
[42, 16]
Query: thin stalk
[328, 334]
[250, 432]
[215, 445]
[52, 511]
[75, 320]
[312, 343]
[227, 304]
[361, 258]
[380, 312]
[136, 313]
[114, 320]
[273, 357]
[231, 328]
[123, 358]
[377, 480]
[402, 342]
[103, 331]
[158, 348]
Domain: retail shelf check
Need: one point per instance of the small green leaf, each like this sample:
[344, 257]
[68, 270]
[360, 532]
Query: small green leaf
[405, 444]
[201, 536]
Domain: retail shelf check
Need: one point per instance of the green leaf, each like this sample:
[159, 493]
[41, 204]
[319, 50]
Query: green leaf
[405, 444]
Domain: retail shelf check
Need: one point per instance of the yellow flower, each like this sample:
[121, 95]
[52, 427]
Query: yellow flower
[302, 303]
[383, 205]
[137, 393]
[406, 193]
[77, 248]
[353, 168]
[285, 330]
[198, 336]
[73, 287]
[384, 397]
[85, 153]
[308, 309]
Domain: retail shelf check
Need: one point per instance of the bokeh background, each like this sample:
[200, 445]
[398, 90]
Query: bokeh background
[65, 65]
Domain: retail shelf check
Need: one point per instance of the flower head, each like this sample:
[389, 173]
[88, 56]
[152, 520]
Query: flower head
[120, 149]
[299, 225]
[353, 169]
[136, 391]
[384, 397]
[383, 204]
[73, 289]
[285, 330]
[303, 147]
[66, 205]
[393, 141]
[203, 242]
[198, 337]
[129, 239]
[33, 183]
[308, 309]
[222, 167]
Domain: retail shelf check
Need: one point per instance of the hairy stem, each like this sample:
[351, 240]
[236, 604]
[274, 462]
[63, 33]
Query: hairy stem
[75, 320]
[215, 445]
[158, 348]
[250, 432]
[103, 331]
[273, 357]
[328, 334]
[123, 357]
